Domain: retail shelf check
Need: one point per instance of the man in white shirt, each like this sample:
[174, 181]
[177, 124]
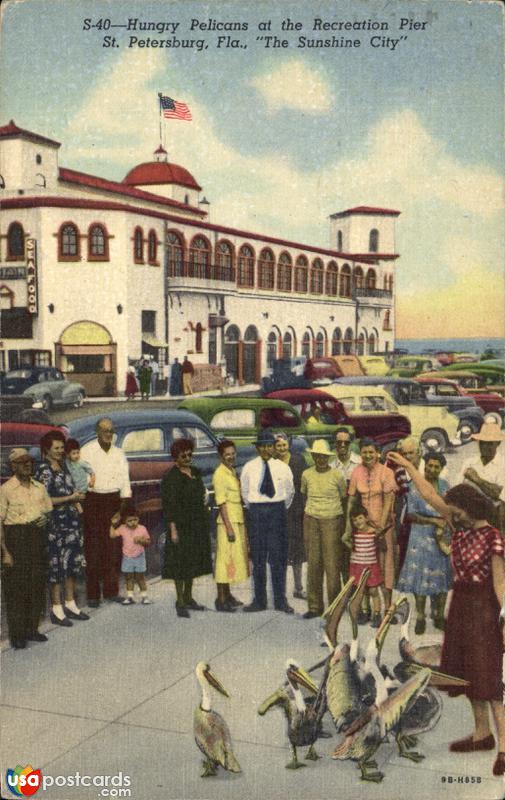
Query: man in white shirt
[267, 490]
[486, 470]
[103, 500]
[345, 460]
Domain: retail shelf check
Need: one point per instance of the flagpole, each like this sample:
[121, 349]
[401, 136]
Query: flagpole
[159, 104]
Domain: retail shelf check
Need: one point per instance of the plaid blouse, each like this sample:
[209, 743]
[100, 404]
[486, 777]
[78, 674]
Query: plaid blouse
[471, 553]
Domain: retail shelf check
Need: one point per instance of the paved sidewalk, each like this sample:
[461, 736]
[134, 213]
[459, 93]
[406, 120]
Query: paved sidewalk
[117, 694]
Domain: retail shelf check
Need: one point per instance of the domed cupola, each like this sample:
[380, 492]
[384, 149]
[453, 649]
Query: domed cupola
[164, 178]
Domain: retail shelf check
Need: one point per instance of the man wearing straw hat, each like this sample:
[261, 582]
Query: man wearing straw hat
[486, 470]
[323, 525]
[24, 509]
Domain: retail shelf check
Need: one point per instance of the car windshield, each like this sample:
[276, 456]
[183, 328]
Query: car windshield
[20, 373]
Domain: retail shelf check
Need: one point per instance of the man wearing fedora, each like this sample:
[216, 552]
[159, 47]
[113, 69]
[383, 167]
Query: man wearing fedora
[486, 470]
[323, 525]
[267, 491]
[24, 508]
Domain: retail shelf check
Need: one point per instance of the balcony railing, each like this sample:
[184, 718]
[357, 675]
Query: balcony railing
[380, 294]
[207, 272]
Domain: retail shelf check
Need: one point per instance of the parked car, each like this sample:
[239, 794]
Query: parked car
[22, 408]
[145, 436]
[332, 367]
[285, 373]
[434, 425]
[241, 418]
[22, 434]
[491, 402]
[386, 428]
[374, 365]
[45, 385]
[410, 366]
[443, 392]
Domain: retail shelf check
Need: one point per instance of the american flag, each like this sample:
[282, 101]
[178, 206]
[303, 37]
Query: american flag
[174, 110]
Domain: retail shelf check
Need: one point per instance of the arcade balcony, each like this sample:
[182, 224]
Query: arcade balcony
[368, 295]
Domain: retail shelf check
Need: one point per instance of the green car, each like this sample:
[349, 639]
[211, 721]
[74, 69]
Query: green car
[492, 371]
[410, 366]
[242, 418]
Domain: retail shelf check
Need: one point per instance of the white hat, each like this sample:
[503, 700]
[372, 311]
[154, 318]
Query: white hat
[320, 447]
[489, 432]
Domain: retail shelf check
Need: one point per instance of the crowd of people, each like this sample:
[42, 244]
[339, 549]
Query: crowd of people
[340, 511]
[143, 379]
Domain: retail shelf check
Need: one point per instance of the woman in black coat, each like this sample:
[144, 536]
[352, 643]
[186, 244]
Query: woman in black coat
[187, 550]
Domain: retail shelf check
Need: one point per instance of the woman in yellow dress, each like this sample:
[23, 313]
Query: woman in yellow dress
[232, 561]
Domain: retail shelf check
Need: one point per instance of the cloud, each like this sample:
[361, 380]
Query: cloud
[294, 85]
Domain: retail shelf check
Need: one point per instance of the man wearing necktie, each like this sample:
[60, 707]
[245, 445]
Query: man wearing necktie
[267, 490]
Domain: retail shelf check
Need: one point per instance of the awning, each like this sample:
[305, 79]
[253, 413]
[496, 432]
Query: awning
[152, 341]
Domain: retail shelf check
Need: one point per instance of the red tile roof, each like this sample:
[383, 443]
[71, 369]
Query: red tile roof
[366, 210]
[11, 131]
[94, 182]
[160, 172]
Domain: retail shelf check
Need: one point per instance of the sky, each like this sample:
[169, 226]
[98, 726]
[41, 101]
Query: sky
[283, 137]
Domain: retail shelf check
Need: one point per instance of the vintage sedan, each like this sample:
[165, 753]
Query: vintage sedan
[490, 401]
[386, 428]
[242, 418]
[434, 425]
[45, 385]
[410, 366]
[443, 392]
[374, 365]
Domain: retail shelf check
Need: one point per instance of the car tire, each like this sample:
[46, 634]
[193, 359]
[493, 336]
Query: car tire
[434, 440]
[80, 400]
[47, 402]
[466, 428]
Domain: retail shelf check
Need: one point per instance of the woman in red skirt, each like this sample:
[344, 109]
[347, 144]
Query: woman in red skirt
[474, 637]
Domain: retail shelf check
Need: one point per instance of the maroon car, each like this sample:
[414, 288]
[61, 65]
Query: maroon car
[386, 428]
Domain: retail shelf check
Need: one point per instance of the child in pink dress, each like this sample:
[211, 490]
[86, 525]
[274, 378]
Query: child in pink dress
[133, 566]
[364, 556]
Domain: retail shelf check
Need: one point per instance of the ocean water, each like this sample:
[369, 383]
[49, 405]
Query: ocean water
[476, 346]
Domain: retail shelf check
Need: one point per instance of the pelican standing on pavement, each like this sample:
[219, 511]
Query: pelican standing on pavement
[212, 734]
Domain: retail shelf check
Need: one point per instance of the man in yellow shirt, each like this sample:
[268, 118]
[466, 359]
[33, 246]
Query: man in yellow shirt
[24, 508]
[323, 525]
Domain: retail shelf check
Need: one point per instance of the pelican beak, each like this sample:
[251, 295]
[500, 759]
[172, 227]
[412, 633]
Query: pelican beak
[402, 610]
[437, 678]
[302, 678]
[395, 609]
[335, 611]
[211, 678]
[355, 602]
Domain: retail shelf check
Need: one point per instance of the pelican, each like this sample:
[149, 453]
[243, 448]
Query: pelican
[364, 736]
[424, 656]
[302, 720]
[212, 734]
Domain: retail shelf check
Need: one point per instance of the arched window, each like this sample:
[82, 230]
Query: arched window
[138, 246]
[361, 345]
[224, 261]
[175, 248]
[332, 279]
[306, 344]
[272, 345]
[371, 344]
[371, 279]
[6, 298]
[38, 159]
[287, 345]
[266, 270]
[40, 180]
[301, 274]
[98, 243]
[386, 325]
[69, 242]
[246, 266]
[345, 281]
[198, 337]
[152, 247]
[339, 241]
[348, 341]
[284, 270]
[336, 342]
[358, 278]
[317, 277]
[319, 345]
[15, 242]
[199, 258]
[373, 241]
[388, 283]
